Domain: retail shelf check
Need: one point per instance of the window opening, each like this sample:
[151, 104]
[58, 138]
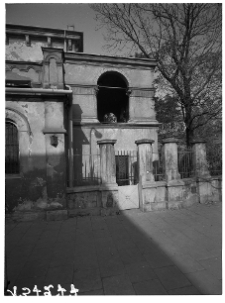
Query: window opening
[11, 149]
[112, 98]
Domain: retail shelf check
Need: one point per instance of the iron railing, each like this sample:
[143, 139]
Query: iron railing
[158, 167]
[86, 169]
[214, 159]
[185, 162]
[126, 168]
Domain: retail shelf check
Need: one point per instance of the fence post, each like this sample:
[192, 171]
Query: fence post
[145, 153]
[174, 184]
[170, 156]
[203, 178]
[109, 187]
[199, 158]
[147, 186]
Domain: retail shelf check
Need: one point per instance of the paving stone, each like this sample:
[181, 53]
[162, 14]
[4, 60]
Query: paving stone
[156, 258]
[171, 277]
[213, 265]
[205, 282]
[150, 287]
[111, 267]
[87, 279]
[140, 271]
[118, 285]
[185, 263]
[35, 269]
[187, 290]
[61, 260]
[96, 292]
[59, 274]
[131, 255]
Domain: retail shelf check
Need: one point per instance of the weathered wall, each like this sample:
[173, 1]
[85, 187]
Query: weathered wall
[19, 51]
[41, 180]
[83, 79]
[86, 137]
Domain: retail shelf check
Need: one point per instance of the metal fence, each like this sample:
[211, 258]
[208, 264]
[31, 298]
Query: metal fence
[126, 168]
[214, 159]
[185, 162]
[158, 167]
[86, 169]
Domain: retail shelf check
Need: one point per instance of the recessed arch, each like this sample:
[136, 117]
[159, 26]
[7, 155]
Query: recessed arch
[112, 97]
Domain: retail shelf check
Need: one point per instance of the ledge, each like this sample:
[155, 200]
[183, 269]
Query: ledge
[106, 141]
[54, 131]
[92, 58]
[144, 141]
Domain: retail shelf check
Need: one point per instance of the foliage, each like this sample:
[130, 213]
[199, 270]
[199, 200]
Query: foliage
[185, 40]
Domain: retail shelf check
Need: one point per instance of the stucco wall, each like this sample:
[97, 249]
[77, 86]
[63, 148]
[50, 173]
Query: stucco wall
[42, 166]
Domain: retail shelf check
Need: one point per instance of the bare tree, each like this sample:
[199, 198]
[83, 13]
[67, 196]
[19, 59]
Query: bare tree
[184, 39]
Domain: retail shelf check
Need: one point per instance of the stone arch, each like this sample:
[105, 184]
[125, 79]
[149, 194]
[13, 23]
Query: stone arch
[19, 119]
[104, 70]
[24, 135]
[53, 57]
[112, 97]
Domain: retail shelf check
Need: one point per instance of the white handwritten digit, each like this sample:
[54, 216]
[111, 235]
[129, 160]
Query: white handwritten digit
[60, 289]
[73, 290]
[26, 293]
[14, 291]
[35, 289]
[48, 293]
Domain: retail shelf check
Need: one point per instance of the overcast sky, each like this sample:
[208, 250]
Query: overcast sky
[59, 16]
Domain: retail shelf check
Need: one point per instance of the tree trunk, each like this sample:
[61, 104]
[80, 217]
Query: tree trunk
[189, 135]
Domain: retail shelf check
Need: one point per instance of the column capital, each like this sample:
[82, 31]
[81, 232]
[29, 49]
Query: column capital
[170, 140]
[198, 140]
[106, 141]
[144, 141]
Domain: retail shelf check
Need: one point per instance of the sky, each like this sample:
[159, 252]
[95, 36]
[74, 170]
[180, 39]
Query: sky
[59, 16]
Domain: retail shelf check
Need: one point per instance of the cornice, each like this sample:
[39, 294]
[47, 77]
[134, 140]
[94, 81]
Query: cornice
[109, 60]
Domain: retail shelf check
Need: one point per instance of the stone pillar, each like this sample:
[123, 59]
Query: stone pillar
[170, 155]
[55, 151]
[174, 184]
[202, 174]
[147, 186]
[109, 187]
[145, 168]
[199, 158]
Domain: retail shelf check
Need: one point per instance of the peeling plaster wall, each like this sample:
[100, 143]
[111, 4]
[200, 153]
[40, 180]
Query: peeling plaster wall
[19, 51]
[32, 188]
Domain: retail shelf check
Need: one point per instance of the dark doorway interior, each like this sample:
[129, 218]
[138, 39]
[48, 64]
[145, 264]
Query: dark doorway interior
[112, 97]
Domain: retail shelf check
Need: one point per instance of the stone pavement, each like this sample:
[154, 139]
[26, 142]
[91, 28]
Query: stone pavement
[176, 252]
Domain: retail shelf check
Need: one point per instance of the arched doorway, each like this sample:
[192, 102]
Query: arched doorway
[112, 97]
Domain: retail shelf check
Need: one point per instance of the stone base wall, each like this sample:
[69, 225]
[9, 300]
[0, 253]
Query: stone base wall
[178, 194]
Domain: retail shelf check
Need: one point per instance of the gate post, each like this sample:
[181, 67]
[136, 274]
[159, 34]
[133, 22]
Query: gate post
[175, 186]
[199, 158]
[109, 187]
[170, 155]
[203, 178]
[147, 185]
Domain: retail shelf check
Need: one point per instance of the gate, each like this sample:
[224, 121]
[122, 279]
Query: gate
[127, 179]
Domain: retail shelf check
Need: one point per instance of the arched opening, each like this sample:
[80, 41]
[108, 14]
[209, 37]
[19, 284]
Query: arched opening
[11, 148]
[112, 98]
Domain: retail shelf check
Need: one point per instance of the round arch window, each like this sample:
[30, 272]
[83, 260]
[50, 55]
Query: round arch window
[112, 98]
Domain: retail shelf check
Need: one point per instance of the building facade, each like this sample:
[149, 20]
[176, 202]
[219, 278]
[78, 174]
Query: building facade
[61, 104]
